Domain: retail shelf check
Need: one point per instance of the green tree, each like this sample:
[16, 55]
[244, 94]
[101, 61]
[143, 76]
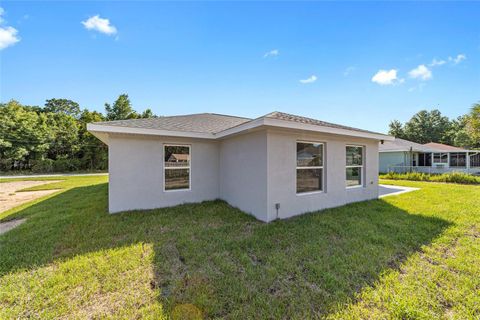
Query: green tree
[396, 129]
[425, 126]
[121, 109]
[148, 113]
[93, 153]
[64, 106]
[473, 124]
[64, 143]
[24, 134]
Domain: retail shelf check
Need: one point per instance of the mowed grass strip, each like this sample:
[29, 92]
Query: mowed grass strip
[416, 255]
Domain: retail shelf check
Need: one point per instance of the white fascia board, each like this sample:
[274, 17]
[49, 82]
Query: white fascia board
[147, 131]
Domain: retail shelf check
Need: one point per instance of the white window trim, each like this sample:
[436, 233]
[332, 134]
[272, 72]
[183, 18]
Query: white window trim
[177, 168]
[311, 167]
[362, 171]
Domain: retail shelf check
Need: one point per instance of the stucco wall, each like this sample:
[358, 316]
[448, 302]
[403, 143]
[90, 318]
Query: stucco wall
[243, 173]
[282, 174]
[136, 172]
[252, 171]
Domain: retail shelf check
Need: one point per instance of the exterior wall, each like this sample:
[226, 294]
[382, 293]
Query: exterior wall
[243, 173]
[282, 174]
[136, 172]
[392, 159]
[252, 171]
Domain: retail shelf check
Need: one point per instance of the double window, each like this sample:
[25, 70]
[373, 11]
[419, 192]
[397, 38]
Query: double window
[440, 157]
[354, 166]
[309, 167]
[176, 167]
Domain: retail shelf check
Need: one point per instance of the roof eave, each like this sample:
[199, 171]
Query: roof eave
[302, 126]
[97, 128]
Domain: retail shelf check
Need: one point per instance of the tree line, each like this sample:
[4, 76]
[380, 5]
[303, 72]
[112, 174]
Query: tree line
[431, 126]
[54, 137]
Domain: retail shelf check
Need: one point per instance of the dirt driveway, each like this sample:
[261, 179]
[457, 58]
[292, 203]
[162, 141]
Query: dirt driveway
[10, 198]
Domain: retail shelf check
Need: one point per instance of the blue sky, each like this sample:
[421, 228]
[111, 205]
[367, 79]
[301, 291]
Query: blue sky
[355, 63]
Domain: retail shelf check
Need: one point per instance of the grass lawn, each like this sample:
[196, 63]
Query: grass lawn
[413, 256]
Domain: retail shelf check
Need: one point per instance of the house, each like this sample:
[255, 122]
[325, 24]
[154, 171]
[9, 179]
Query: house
[403, 156]
[275, 166]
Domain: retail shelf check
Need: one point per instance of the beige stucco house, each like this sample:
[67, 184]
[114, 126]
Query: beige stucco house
[275, 166]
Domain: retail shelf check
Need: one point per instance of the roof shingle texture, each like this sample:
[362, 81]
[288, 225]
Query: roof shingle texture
[290, 117]
[403, 145]
[214, 123]
[443, 147]
[201, 123]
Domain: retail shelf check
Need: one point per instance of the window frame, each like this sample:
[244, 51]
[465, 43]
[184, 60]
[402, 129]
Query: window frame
[441, 154]
[362, 167]
[322, 190]
[189, 167]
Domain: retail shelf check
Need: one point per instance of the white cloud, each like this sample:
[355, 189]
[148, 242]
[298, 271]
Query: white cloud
[310, 79]
[99, 24]
[8, 35]
[386, 77]
[421, 72]
[348, 71]
[436, 62]
[271, 53]
[459, 58]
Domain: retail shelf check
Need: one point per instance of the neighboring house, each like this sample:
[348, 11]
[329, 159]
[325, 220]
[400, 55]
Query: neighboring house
[403, 156]
[275, 166]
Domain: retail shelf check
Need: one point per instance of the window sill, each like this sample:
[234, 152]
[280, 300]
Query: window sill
[355, 187]
[176, 190]
[309, 193]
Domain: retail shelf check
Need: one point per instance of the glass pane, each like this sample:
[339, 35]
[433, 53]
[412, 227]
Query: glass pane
[444, 158]
[177, 179]
[309, 154]
[436, 157]
[309, 180]
[354, 176]
[177, 156]
[458, 159]
[354, 156]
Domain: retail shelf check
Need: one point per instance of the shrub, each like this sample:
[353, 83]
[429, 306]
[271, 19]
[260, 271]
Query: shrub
[40, 166]
[451, 177]
[64, 165]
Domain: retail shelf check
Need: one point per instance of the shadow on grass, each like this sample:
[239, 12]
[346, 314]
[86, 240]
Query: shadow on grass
[223, 261]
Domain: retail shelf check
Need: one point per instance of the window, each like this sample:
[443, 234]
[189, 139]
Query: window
[177, 167]
[440, 158]
[354, 166]
[458, 159]
[309, 167]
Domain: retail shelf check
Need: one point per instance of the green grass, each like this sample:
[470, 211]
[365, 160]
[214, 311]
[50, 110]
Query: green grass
[413, 256]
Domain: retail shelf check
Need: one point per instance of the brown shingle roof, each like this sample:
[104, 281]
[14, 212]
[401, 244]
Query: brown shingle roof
[402, 145]
[443, 147]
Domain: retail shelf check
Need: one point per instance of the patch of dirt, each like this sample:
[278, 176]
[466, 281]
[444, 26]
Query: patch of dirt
[11, 198]
[9, 225]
